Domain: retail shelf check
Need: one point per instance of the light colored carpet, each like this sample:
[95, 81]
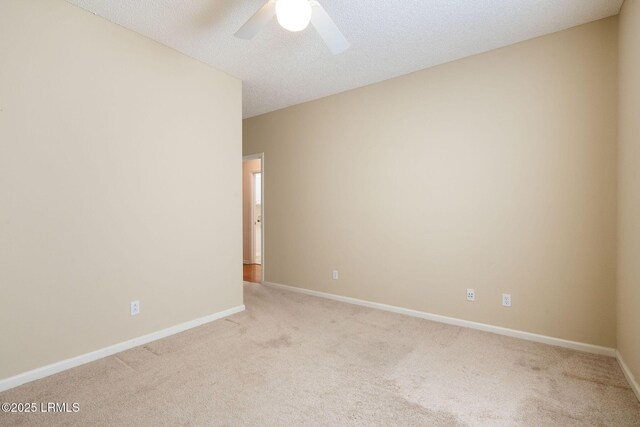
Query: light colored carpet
[292, 359]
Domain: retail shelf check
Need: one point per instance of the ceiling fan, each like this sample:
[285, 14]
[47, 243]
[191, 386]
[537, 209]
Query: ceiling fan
[295, 15]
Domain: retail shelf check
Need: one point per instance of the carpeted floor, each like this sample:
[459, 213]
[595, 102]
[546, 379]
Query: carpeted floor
[292, 359]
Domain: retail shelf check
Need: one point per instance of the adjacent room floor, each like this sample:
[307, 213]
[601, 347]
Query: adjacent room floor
[252, 273]
[292, 359]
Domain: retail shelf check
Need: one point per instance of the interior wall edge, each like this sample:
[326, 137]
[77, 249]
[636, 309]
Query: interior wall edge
[628, 375]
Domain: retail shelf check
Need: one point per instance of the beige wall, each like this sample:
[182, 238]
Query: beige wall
[629, 188]
[119, 180]
[496, 172]
[248, 167]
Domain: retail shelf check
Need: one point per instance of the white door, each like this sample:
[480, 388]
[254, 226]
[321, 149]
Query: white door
[257, 217]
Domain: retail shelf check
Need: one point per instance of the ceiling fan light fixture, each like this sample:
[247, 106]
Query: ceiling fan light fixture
[293, 15]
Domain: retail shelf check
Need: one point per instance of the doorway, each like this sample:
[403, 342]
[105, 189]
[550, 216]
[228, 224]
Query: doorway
[253, 218]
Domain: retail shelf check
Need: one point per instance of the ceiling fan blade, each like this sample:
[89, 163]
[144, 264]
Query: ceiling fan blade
[328, 29]
[257, 21]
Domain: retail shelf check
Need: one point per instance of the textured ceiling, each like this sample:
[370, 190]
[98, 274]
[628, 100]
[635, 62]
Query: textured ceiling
[388, 38]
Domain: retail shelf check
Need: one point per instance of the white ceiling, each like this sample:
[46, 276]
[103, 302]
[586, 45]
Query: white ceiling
[388, 38]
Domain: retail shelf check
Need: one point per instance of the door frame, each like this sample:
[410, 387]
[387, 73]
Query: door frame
[257, 156]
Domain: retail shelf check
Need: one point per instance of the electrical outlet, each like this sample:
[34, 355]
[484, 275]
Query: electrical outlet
[135, 308]
[471, 294]
[506, 300]
[335, 274]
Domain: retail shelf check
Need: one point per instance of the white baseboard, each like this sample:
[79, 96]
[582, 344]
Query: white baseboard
[629, 375]
[589, 348]
[63, 365]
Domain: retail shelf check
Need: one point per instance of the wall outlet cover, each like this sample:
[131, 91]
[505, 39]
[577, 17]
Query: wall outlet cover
[135, 308]
[471, 294]
[506, 300]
